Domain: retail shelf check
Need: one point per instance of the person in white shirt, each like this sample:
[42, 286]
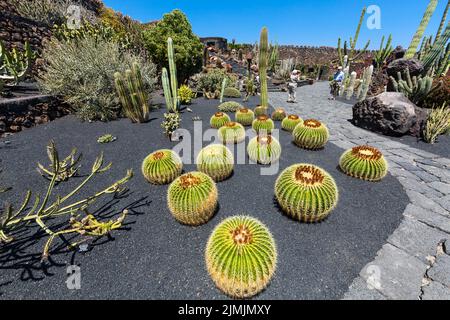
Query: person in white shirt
[292, 86]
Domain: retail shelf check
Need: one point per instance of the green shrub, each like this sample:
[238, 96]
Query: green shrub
[186, 95]
[82, 73]
[230, 106]
[187, 46]
[231, 92]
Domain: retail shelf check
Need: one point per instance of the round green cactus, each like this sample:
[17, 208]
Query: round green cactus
[279, 114]
[219, 119]
[162, 167]
[260, 111]
[306, 193]
[241, 257]
[231, 92]
[192, 198]
[232, 132]
[230, 106]
[245, 116]
[217, 161]
[263, 124]
[364, 162]
[264, 149]
[311, 135]
[289, 123]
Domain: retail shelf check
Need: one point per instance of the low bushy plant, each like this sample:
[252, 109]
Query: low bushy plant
[230, 106]
[231, 93]
[438, 123]
[185, 94]
[210, 83]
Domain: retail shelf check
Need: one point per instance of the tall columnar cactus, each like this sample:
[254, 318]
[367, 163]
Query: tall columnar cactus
[415, 88]
[443, 20]
[290, 122]
[241, 256]
[216, 161]
[232, 132]
[350, 90]
[420, 31]
[222, 91]
[279, 114]
[443, 65]
[364, 162]
[192, 198]
[366, 82]
[306, 193]
[311, 135]
[264, 149]
[171, 86]
[432, 57]
[162, 167]
[133, 96]
[384, 52]
[345, 81]
[263, 124]
[219, 119]
[263, 64]
[15, 64]
[245, 117]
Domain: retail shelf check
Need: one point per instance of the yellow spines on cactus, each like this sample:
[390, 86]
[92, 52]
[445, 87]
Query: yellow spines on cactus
[219, 119]
[306, 193]
[241, 257]
[290, 122]
[364, 162]
[264, 149]
[263, 124]
[232, 132]
[192, 198]
[260, 111]
[245, 117]
[279, 115]
[311, 135]
[216, 161]
[162, 167]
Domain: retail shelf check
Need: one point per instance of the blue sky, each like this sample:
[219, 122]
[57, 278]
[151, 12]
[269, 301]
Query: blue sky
[300, 22]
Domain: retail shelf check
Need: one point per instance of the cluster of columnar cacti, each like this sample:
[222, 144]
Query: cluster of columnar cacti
[133, 97]
[381, 55]
[219, 119]
[232, 132]
[171, 86]
[260, 111]
[311, 135]
[263, 64]
[241, 256]
[245, 117]
[192, 198]
[438, 54]
[230, 106]
[364, 162]
[15, 64]
[263, 124]
[415, 88]
[162, 167]
[216, 161]
[279, 115]
[264, 149]
[290, 122]
[306, 193]
[364, 84]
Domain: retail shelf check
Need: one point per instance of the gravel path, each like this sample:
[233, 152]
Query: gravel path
[414, 263]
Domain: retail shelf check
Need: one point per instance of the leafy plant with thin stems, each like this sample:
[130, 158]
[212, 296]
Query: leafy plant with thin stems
[438, 123]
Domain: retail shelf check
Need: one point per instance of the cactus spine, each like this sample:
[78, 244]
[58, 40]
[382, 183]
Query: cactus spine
[364, 162]
[171, 86]
[420, 31]
[263, 64]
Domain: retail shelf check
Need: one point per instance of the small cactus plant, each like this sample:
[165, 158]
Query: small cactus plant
[290, 122]
[311, 135]
[279, 115]
[364, 162]
[216, 161]
[306, 193]
[263, 124]
[162, 167]
[232, 132]
[192, 198]
[264, 149]
[245, 117]
[260, 111]
[241, 257]
[230, 106]
[219, 119]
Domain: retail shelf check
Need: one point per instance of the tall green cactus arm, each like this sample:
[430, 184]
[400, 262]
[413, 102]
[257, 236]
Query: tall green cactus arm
[15, 64]
[358, 30]
[167, 90]
[224, 86]
[263, 57]
[444, 62]
[442, 24]
[420, 31]
[434, 54]
[173, 73]
[384, 52]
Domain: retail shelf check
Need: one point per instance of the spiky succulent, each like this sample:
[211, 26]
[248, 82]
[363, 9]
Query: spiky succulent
[192, 198]
[162, 167]
[290, 122]
[260, 111]
[241, 256]
[219, 119]
[264, 149]
[263, 124]
[279, 114]
[311, 135]
[232, 132]
[245, 116]
[306, 193]
[230, 106]
[364, 162]
[216, 161]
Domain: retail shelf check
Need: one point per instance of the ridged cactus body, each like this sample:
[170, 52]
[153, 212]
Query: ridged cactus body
[216, 161]
[311, 135]
[260, 111]
[232, 132]
[241, 257]
[162, 167]
[290, 122]
[350, 90]
[192, 198]
[306, 193]
[364, 162]
[365, 85]
[279, 115]
[245, 117]
[263, 65]
[219, 119]
[263, 124]
[170, 85]
[264, 149]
